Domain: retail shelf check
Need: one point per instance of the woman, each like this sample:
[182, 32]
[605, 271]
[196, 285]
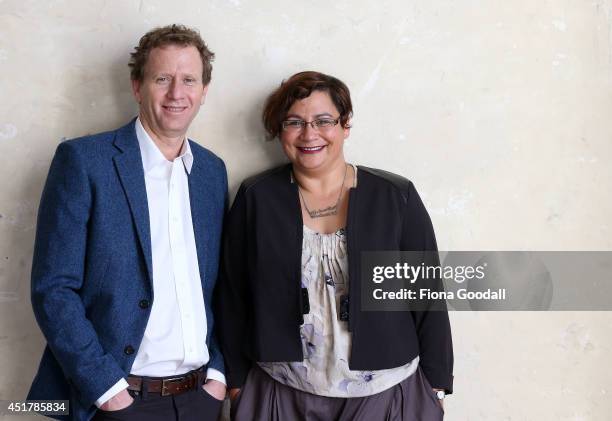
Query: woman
[296, 344]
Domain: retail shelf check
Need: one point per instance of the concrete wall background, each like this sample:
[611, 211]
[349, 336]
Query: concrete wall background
[498, 111]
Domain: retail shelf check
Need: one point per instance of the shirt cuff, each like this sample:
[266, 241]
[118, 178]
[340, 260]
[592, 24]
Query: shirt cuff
[118, 387]
[212, 374]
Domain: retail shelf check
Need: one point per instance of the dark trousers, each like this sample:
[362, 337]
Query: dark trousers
[188, 406]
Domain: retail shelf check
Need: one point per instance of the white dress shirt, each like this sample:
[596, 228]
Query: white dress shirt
[174, 341]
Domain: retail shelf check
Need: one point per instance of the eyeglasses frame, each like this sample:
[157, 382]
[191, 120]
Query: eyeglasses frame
[311, 123]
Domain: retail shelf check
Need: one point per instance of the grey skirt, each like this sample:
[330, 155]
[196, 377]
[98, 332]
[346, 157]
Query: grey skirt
[264, 399]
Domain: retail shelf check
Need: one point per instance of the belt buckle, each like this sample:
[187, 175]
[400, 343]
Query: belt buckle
[165, 382]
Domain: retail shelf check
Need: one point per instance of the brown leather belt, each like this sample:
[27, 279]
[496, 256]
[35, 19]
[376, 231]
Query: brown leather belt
[167, 385]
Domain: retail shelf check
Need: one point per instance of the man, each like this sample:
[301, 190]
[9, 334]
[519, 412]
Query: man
[127, 250]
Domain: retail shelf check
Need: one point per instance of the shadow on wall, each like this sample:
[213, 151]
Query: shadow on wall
[97, 101]
[263, 153]
[123, 105]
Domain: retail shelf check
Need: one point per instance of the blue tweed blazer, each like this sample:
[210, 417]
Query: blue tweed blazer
[92, 263]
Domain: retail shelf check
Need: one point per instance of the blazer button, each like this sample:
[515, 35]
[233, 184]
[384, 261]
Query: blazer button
[129, 350]
[143, 304]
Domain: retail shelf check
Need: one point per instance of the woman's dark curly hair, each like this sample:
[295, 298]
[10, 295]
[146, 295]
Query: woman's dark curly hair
[300, 86]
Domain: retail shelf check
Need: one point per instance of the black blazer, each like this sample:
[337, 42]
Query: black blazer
[259, 302]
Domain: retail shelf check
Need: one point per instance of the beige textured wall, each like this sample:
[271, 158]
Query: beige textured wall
[499, 111]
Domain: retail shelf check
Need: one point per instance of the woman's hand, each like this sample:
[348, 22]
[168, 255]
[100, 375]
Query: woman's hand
[233, 393]
[215, 388]
[441, 401]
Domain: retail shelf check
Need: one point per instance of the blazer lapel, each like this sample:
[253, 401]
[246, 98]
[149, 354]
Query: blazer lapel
[131, 173]
[199, 185]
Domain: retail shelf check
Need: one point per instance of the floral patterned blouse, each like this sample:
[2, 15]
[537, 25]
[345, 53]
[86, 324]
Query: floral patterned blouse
[326, 340]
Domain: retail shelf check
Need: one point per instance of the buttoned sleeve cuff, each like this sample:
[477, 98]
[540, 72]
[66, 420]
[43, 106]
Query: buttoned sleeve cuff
[122, 384]
[212, 374]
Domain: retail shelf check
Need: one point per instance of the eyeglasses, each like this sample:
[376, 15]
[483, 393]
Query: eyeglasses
[318, 124]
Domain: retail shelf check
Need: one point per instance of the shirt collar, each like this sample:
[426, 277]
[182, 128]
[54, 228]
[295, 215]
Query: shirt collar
[152, 156]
